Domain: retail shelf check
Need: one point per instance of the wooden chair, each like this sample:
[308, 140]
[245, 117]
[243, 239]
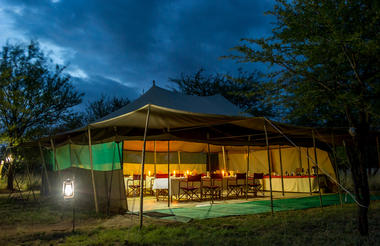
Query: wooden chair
[254, 185]
[134, 188]
[191, 191]
[214, 186]
[237, 185]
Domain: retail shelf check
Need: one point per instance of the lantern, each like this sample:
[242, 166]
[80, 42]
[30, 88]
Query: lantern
[68, 189]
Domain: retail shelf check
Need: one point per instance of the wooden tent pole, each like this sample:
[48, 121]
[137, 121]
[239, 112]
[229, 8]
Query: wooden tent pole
[142, 169]
[224, 159]
[92, 170]
[121, 158]
[378, 149]
[55, 158]
[246, 176]
[209, 169]
[269, 167]
[309, 173]
[281, 170]
[300, 157]
[155, 158]
[44, 167]
[337, 170]
[179, 161]
[169, 174]
[316, 163]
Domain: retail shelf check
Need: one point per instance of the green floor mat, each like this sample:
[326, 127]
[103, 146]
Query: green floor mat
[254, 207]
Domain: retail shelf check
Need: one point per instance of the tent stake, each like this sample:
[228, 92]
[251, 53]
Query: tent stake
[308, 168]
[44, 167]
[169, 173]
[92, 171]
[281, 170]
[269, 167]
[316, 163]
[142, 169]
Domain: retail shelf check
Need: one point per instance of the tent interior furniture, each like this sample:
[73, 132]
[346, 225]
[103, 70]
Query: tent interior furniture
[237, 186]
[201, 132]
[255, 184]
[213, 187]
[193, 187]
[134, 184]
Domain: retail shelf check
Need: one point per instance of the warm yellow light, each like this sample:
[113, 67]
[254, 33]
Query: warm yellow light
[149, 173]
[174, 173]
[68, 189]
[223, 173]
[9, 158]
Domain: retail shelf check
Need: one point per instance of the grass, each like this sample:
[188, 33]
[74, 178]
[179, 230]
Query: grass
[331, 225]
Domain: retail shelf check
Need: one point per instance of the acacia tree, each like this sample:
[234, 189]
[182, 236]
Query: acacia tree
[326, 55]
[35, 94]
[245, 90]
[102, 107]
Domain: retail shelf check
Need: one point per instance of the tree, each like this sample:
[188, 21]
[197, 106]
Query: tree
[35, 94]
[245, 90]
[102, 107]
[326, 58]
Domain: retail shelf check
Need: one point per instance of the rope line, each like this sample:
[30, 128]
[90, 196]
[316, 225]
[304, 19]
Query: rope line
[313, 161]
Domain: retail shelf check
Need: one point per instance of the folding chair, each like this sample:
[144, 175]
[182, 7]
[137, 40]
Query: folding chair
[214, 187]
[256, 186]
[134, 188]
[190, 190]
[237, 185]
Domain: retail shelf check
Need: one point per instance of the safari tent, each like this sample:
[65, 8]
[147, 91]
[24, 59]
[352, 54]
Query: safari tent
[165, 131]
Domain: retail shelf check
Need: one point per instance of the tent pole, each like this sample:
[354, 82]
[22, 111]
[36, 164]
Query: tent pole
[246, 176]
[142, 169]
[281, 170]
[316, 163]
[308, 168]
[300, 156]
[44, 167]
[378, 149]
[224, 159]
[209, 169]
[155, 158]
[92, 170]
[179, 161]
[169, 184]
[337, 171]
[55, 158]
[121, 157]
[269, 167]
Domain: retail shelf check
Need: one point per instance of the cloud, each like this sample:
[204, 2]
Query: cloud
[133, 42]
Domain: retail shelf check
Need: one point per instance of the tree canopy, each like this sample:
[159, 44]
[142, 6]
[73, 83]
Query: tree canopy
[245, 90]
[326, 59]
[35, 93]
[102, 107]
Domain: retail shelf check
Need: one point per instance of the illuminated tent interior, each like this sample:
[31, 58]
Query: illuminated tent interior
[192, 125]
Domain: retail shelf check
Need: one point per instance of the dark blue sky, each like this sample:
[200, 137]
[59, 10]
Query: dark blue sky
[119, 47]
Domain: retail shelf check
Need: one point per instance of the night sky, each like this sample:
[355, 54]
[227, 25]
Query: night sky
[119, 47]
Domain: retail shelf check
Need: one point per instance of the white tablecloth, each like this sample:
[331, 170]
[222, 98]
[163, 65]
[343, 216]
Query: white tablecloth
[292, 184]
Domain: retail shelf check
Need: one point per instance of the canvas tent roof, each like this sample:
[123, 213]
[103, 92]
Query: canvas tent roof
[176, 116]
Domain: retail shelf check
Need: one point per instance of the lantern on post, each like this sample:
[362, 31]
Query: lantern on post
[68, 194]
[68, 189]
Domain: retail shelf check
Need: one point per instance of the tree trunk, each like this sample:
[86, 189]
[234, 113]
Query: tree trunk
[358, 155]
[10, 175]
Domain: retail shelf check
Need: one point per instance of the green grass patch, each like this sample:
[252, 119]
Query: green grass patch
[330, 225]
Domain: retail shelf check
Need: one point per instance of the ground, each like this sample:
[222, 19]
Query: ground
[46, 222]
